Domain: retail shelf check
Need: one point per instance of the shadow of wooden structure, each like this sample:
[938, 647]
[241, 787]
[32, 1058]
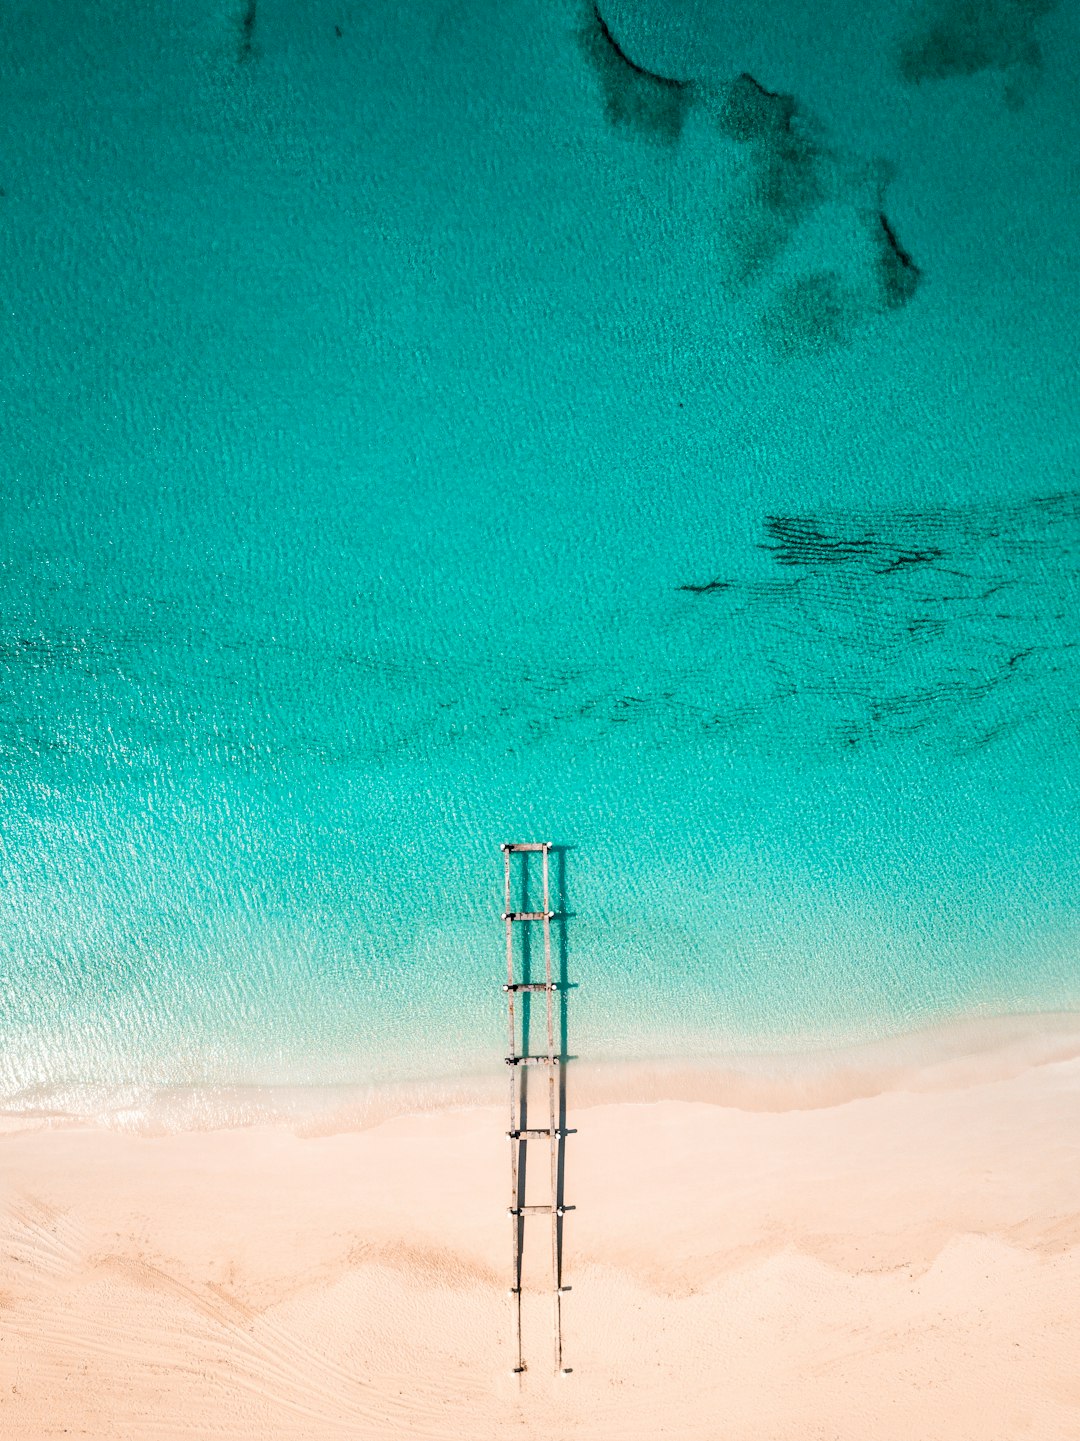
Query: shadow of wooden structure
[521, 923]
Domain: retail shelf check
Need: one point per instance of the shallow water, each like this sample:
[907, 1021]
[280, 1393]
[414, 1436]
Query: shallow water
[442, 433]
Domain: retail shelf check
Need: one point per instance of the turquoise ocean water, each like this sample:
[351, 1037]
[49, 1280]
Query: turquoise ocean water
[649, 429]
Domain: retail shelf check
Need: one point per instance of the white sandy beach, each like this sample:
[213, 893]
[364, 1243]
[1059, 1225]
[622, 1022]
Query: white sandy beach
[903, 1264]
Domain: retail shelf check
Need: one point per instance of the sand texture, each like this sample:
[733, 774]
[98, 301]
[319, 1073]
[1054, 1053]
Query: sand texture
[901, 1265]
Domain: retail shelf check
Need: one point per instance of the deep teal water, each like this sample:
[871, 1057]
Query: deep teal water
[442, 432]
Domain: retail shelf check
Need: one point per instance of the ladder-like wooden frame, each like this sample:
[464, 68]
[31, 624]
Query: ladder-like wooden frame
[516, 1062]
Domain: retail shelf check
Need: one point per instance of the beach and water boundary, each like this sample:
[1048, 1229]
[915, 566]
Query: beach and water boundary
[965, 1051]
[904, 1260]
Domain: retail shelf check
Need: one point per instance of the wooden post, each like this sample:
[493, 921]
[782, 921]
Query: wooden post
[516, 1220]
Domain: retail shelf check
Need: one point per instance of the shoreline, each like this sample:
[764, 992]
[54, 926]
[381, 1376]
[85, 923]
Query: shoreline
[962, 1050]
[900, 1264]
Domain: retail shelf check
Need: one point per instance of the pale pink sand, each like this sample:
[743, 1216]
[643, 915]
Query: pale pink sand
[905, 1265]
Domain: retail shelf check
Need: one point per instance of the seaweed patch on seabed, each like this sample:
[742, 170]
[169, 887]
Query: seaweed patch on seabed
[811, 313]
[792, 176]
[817, 311]
[784, 183]
[248, 19]
[656, 105]
[709, 587]
[950, 38]
[952, 624]
[789, 174]
[801, 541]
[898, 274]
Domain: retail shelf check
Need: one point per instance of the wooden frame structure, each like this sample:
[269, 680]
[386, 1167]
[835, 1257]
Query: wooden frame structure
[517, 1061]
